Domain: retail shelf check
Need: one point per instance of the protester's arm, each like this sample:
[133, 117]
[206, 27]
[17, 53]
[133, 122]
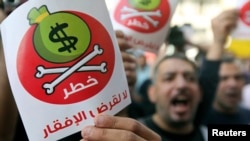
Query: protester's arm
[221, 26]
[8, 109]
[111, 128]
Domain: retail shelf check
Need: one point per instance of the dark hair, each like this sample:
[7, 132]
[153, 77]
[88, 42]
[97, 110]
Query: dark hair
[180, 56]
[176, 38]
[227, 59]
[232, 60]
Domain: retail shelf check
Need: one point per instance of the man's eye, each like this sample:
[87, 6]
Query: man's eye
[223, 78]
[239, 77]
[167, 78]
[191, 78]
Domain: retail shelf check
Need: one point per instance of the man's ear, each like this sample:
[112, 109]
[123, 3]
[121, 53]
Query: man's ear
[152, 94]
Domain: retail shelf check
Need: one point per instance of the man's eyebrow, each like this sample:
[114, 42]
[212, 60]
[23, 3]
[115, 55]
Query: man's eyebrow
[169, 73]
[235, 75]
[190, 72]
[174, 72]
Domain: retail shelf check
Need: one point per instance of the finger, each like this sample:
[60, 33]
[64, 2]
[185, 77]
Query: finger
[131, 77]
[230, 18]
[119, 34]
[229, 15]
[225, 22]
[129, 67]
[92, 133]
[232, 13]
[229, 25]
[126, 57]
[122, 42]
[129, 62]
[127, 124]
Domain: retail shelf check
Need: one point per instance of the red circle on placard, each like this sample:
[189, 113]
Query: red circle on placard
[245, 13]
[80, 84]
[145, 24]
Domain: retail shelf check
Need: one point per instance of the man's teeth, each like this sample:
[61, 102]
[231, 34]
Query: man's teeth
[180, 101]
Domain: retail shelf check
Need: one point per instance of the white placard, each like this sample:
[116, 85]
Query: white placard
[145, 23]
[242, 30]
[64, 65]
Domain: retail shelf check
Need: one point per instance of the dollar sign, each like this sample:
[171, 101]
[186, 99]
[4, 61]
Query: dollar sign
[68, 42]
[145, 2]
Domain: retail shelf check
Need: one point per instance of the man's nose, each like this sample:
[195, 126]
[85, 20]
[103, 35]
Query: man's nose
[232, 82]
[181, 82]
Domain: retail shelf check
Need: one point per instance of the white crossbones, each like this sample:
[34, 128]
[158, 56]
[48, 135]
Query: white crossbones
[248, 16]
[41, 70]
[146, 15]
[49, 87]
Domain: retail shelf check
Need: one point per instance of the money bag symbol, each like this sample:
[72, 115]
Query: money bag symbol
[144, 4]
[59, 37]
